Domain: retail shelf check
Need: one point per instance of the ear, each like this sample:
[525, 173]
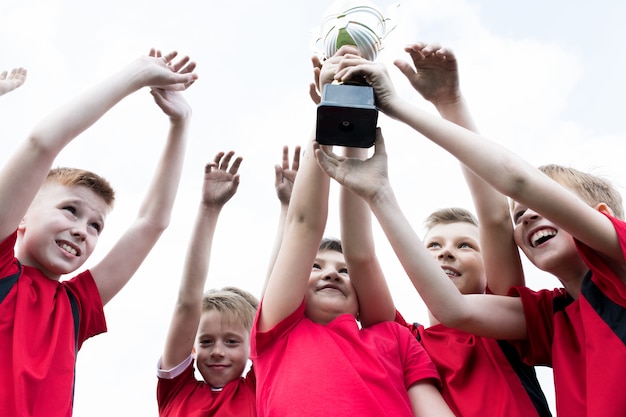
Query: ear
[193, 352]
[604, 208]
[22, 224]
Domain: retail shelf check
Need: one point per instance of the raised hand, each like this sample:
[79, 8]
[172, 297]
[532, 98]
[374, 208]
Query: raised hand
[171, 102]
[285, 176]
[352, 67]
[9, 81]
[436, 75]
[315, 91]
[157, 70]
[221, 179]
[364, 177]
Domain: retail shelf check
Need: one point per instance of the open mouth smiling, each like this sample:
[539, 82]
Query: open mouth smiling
[68, 248]
[541, 236]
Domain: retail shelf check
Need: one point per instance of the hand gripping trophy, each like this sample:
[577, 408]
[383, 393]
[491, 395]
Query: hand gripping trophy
[347, 115]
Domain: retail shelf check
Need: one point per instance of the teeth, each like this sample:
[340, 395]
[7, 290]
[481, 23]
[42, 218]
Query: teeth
[541, 236]
[68, 248]
[450, 272]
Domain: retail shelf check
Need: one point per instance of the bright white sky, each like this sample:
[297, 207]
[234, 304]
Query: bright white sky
[543, 78]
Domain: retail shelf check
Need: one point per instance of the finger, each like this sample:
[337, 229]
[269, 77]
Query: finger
[278, 175]
[170, 56]
[208, 167]
[218, 157]
[325, 161]
[379, 143]
[180, 63]
[234, 169]
[285, 157]
[315, 97]
[347, 49]
[188, 68]
[226, 161]
[405, 68]
[295, 165]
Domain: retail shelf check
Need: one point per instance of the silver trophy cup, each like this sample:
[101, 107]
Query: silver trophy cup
[347, 114]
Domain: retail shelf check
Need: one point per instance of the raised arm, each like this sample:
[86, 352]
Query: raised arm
[285, 176]
[304, 228]
[505, 171]
[366, 275]
[219, 185]
[120, 264]
[486, 315]
[9, 81]
[435, 76]
[24, 173]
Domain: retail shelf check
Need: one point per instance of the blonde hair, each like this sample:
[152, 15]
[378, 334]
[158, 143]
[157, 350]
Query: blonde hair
[233, 302]
[590, 188]
[75, 177]
[449, 215]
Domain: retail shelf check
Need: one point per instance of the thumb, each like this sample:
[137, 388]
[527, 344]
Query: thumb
[405, 68]
[379, 143]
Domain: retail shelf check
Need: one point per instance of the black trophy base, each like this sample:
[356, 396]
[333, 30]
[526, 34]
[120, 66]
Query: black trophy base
[347, 116]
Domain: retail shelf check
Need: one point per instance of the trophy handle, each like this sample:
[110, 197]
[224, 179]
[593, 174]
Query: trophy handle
[327, 38]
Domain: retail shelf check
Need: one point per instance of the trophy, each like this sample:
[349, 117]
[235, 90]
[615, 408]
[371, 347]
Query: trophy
[347, 115]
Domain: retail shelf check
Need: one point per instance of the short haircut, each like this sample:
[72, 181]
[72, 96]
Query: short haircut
[233, 302]
[449, 215]
[590, 188]
[74, 177]
[330, 243]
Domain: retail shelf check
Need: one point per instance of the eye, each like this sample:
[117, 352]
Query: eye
[316, 266]
[343, 270]
[433, 245]
[517, 215]
[466, 245]
[205, 342]
[71, 209]
[232, 342]
[97, 227]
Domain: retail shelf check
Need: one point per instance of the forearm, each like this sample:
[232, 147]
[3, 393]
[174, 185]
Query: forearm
[188, 308]
[437, 291]
[375, 301]
[198, 255]
[69, 120]
[159, 199]
[505, 171]
[304, 229]
[278, 239]
[500, 255]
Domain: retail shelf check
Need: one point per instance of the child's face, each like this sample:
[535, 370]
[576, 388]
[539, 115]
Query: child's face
[330, 292]
[543, 243]
[456, 247]
[222, 348]
[61, 228]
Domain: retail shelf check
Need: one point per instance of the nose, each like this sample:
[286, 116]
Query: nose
[445, 253]
[218, 351]
[79, 231]
[331, 275]
[529, 216]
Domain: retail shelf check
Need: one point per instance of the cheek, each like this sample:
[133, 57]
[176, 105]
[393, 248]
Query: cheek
[517, 237]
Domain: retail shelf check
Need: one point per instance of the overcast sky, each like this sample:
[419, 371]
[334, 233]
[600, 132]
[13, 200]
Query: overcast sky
[542, 78]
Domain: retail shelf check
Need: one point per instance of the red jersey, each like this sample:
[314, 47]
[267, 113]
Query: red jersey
[185, 396]
[38, 336]
[584, 340]
[305, 369]
[482, 377]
